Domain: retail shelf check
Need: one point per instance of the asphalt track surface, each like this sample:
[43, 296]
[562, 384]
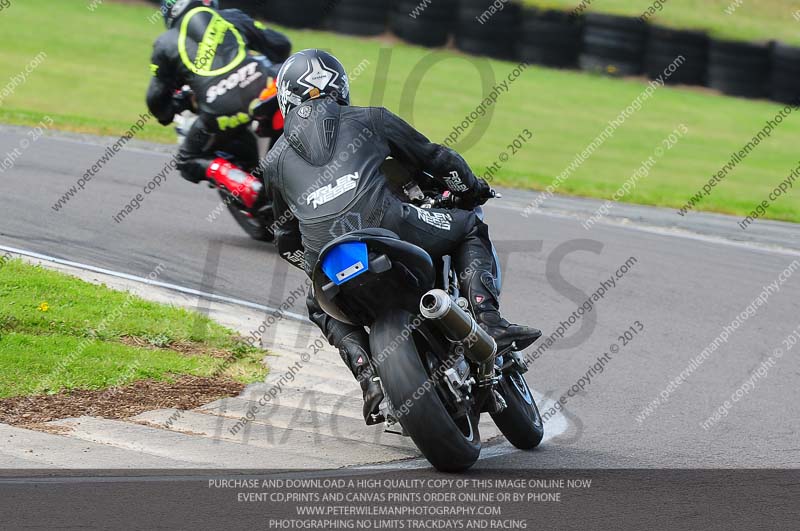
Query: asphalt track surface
[683, 288]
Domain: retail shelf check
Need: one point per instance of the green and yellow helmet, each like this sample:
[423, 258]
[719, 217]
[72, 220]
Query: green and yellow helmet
[175, 9]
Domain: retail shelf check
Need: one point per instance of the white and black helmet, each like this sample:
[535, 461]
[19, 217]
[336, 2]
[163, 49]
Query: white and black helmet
[311, 74]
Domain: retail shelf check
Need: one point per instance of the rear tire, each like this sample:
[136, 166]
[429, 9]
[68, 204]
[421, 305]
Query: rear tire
[613, 45]
[739, 68]
[520, 421]
[448, 446]
[785, 80]
[258, 229]
[550, 37]
[292, 13]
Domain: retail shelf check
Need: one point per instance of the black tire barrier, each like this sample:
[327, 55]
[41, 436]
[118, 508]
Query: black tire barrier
[359, 17]
[785, 78]
[739, 68]
[254, 8]
[481, 32]
[665, 45]
[292, 13]
[621, 46]
[429, 27]
[551, 38]
[613, 45]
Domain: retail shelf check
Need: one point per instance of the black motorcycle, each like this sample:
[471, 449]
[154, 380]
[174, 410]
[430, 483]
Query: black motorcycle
[437, 367]
[267, 125]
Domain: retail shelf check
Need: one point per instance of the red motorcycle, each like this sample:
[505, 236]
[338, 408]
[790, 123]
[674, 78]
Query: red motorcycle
[246, 197]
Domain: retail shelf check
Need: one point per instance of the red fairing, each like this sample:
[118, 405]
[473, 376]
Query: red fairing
[277, 121]
[238, 182]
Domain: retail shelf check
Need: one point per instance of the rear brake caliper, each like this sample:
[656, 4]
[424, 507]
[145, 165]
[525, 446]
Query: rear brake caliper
[392, 423]
[459, 381]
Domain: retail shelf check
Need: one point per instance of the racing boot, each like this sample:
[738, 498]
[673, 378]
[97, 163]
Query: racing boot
[353, 345]
[354, 349]
[244, 187]
[483, 298]
[476, 265]
[482, 295]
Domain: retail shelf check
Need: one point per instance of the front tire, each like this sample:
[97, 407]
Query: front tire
[448, 446]
[520, 421]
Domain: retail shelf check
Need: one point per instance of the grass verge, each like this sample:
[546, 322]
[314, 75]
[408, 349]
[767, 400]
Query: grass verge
[60, 334]
[94, 81]
[749, 20]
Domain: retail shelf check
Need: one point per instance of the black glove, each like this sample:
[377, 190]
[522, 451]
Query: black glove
[477, 195]
[183, 101]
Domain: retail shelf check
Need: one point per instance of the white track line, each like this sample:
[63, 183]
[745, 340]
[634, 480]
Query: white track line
[166, 285]
[555, 426]
[639, 227]
[131, 149]
[674, 232]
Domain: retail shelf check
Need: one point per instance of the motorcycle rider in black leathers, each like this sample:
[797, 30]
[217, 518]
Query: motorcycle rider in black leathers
[208, 49]
[326, 177]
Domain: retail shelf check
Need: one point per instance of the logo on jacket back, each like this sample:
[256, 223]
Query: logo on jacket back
[331, 192]
[241, 78]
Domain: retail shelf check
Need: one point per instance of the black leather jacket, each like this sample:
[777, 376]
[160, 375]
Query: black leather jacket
[209, 51]
[326, 178]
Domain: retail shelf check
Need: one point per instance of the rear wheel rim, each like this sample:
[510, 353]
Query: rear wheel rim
[464, 423]
[467, 435]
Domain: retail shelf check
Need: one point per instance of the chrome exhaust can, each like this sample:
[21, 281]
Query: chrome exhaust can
[458, 325]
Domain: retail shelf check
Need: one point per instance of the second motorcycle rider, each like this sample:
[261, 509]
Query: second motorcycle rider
[210, 51]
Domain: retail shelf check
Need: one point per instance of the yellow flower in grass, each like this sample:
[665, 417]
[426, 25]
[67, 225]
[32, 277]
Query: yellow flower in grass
[43, 307]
